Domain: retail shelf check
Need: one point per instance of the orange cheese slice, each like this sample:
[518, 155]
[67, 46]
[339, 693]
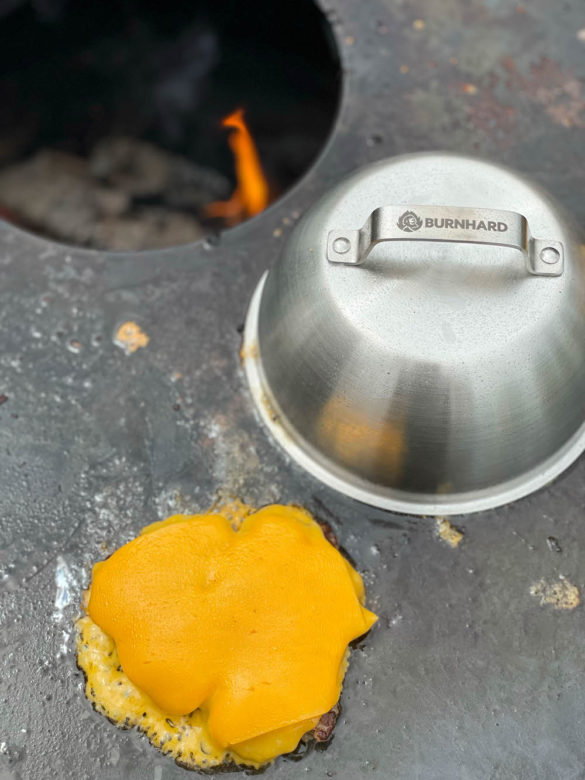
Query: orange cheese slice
[250, 626]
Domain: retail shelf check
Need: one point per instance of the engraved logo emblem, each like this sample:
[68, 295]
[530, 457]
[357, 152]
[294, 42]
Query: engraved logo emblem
[409, 222]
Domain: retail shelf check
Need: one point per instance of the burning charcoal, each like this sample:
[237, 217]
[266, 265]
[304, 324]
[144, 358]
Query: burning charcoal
[147, 228]
[193, 187]
[54, 192]
[144, 171]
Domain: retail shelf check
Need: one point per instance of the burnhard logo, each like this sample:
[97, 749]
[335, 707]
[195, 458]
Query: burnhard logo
[409, 222]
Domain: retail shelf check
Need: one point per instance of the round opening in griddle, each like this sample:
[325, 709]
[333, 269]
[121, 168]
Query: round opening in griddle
[111, 131]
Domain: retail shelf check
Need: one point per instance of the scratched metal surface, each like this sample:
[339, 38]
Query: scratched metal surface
[467, 675]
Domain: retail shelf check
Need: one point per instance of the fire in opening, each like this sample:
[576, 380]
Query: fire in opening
[112, 140]
[252, 193]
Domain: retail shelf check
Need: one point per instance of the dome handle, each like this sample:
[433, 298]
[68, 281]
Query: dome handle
[454, 224]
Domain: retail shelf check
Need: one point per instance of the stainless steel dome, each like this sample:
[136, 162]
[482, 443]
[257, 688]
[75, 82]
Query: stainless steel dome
[420, 342]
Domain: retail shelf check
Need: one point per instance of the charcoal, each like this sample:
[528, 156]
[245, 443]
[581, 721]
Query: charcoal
[56, 194]
[148, 228]
[146, 171]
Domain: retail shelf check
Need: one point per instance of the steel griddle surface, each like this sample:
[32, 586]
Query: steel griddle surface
[466, 675]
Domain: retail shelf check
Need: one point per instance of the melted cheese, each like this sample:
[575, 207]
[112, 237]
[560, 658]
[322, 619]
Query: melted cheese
[238, 636]
[185, 738]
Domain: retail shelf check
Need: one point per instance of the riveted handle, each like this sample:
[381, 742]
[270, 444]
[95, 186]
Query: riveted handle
[459, 225]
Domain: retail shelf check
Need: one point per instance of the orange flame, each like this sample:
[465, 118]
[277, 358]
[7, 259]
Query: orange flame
[251, 194]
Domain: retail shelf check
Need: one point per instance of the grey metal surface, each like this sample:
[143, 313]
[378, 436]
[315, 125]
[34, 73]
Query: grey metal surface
[439, 376]
[467, 676]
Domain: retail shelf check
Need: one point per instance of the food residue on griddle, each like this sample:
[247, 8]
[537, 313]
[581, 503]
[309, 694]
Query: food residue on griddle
[448, 533]
[560, 595]
[224, 637]
[130, 337]
[249, 351]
